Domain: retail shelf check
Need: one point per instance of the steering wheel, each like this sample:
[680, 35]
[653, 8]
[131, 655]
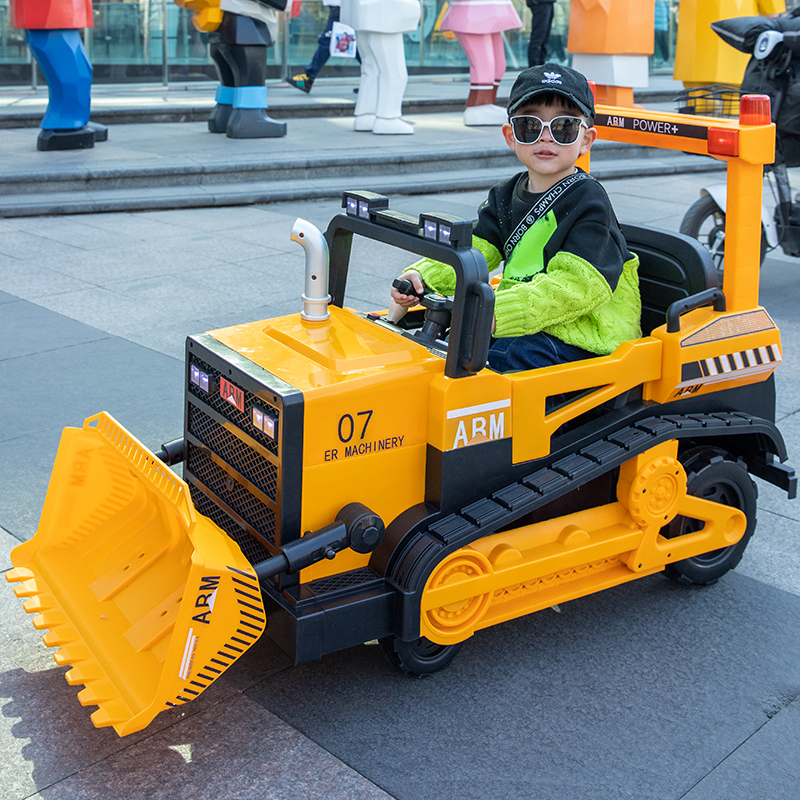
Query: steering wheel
[438, 311]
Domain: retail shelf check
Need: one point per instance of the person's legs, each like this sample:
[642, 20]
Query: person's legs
[662, 44]
[517, 353]
[534, 351]
[541, 22]
[305, 80]
[323, 52]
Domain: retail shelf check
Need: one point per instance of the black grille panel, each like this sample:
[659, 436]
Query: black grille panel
[244, 459]
[253, 550]
[231, 492]
[242, 420]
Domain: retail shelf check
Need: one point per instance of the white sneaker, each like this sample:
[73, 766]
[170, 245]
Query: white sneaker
[391, 126]
[364, 122]
[485, 115]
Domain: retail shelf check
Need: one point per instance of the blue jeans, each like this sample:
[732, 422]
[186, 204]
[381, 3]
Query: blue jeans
[515, 353]
[323, 53]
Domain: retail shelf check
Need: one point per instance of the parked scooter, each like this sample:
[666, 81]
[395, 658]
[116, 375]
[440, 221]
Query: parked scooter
[774, 70]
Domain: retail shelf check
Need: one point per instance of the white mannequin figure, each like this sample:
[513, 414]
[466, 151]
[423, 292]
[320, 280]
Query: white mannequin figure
[379, 26]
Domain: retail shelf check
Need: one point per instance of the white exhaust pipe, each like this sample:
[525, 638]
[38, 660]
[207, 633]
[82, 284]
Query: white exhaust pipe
[316, 297]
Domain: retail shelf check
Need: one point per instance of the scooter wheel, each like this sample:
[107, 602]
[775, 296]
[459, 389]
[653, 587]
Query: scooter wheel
[705, 221]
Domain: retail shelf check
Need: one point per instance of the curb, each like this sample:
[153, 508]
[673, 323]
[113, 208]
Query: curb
[214, 195]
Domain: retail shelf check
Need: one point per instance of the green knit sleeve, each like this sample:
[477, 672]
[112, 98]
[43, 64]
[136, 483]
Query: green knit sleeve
[569, 289]
[442, 278]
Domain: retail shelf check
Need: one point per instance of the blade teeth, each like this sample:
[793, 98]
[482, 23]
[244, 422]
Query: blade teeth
[27, 588]
[60, 636]
[82, 674]
[48, 620]
[18, 574]
[73, 653]
[88, 697]
[34, 605]
[101, 718]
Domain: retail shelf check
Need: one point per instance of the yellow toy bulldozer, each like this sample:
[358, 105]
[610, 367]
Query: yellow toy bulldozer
[350, 479]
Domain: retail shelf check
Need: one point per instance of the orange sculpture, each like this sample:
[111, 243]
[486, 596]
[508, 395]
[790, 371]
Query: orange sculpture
[610, 41]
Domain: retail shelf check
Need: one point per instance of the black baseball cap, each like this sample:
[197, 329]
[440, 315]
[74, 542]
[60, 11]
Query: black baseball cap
[552, 78]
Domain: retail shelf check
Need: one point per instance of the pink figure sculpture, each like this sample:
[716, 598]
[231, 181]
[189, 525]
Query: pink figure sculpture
[478, 26]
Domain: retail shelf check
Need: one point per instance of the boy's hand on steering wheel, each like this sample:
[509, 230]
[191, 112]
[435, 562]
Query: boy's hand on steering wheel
[408, 300]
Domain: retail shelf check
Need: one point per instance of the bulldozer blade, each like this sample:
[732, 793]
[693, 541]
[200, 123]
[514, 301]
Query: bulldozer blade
[148, 601]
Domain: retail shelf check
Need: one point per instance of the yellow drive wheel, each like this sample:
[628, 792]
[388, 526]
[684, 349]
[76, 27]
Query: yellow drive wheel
[656, 491]
[456, 621]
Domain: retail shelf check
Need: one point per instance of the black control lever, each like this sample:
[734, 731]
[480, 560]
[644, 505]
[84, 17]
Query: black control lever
[406, 287]
[438, 311]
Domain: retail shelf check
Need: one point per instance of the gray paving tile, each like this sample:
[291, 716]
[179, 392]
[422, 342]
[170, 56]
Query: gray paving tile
[60, 387]
[773, 554]
[46, 736]
[141, 259]
[137, 225]
[25, 466]
[106, 308]
[766, 765]
[72, 232]
[167, 338]
[631, 693]
[7, 544]
[236, 749]
[214, 220]
[272, 234]
[32, 280]
[220, 319]
[26, 328]
[30, 246]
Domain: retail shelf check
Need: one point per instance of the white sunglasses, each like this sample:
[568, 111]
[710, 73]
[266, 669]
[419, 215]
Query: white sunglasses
[528, 129]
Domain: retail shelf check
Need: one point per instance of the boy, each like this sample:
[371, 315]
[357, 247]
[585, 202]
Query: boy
[569, 289]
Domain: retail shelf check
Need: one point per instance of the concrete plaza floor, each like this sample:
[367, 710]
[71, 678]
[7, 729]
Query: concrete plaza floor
[644, 691]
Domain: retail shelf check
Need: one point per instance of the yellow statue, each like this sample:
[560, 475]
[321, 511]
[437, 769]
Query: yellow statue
[701, 57]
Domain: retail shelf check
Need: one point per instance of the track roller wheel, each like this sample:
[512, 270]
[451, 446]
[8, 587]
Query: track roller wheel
[712, 474]
[420, 658]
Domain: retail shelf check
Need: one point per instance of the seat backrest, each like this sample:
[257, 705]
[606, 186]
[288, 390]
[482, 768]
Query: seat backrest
[671, 266]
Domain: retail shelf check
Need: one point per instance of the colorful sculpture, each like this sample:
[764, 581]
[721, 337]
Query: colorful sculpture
[379, 26]
[701, 57]
[52, 33]
[610, 41]
[240, 31]
[478, 26]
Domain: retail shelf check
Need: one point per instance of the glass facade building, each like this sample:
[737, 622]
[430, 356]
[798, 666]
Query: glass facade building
[138, 41]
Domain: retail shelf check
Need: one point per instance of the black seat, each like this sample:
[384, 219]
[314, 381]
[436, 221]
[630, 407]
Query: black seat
[672, 266]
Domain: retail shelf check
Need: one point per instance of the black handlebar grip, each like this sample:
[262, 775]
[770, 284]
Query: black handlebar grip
[704, 298]
[406, 287]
